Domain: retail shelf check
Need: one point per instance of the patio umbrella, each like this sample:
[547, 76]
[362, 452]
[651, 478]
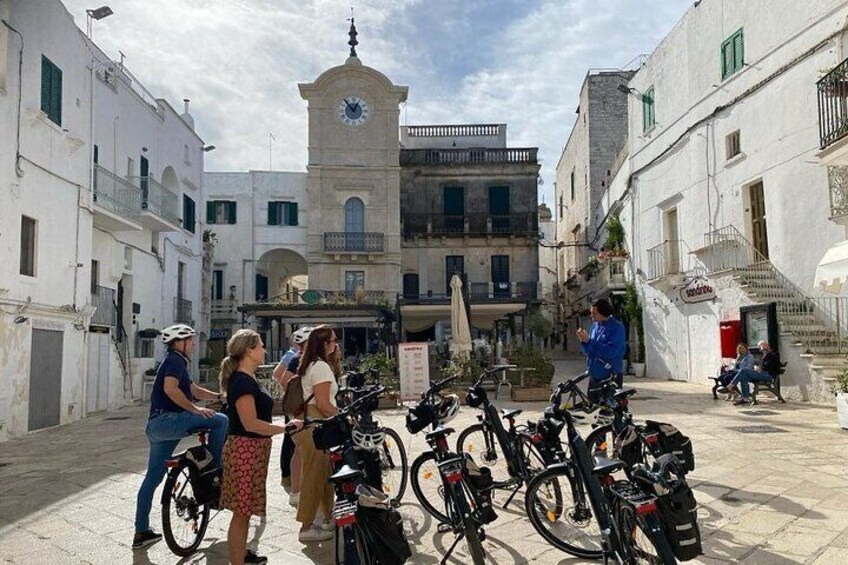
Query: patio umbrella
[460, 332]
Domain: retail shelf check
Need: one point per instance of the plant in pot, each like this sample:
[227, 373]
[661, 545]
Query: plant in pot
[535, 372]
[633, 315]
[840, 389]
[388, 376]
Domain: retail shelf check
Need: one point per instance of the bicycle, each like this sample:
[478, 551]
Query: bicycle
[463, 508]
[625, 525]
[191, 491]
[523, 451]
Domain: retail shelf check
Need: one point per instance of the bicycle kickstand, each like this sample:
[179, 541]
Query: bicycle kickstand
[511, 496]
[459, 537]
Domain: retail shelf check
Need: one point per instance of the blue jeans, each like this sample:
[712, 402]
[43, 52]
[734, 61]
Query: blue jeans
[164, 432]
[745, 377]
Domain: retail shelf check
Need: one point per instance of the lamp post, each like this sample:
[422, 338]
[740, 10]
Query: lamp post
[96, 14]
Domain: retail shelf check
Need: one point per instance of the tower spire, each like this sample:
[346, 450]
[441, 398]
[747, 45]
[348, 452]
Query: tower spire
[352, 33]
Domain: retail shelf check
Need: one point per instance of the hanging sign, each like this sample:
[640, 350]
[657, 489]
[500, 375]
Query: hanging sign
[697, 290]
[414, 368]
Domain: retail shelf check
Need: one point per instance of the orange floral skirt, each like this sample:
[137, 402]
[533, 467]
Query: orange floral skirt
[245, 472]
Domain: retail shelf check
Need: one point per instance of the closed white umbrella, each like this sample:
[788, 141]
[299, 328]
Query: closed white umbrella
[460, 332]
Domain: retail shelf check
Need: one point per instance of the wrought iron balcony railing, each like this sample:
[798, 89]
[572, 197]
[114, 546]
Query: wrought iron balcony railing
[182, 311]
[504, 156]
[470, 224]
[481, 293]
[365, 242]
[158, 199]
[106, 313]
[664, 259]
[116, 194]
[833, 105]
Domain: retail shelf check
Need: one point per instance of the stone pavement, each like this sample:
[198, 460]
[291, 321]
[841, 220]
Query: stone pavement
[778, 496]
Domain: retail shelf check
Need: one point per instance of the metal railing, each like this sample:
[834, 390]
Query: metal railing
[523, 155]
[106, 313]
[182, 310]
[837, 180]
[665, 259]
[158, 199]
[116, 194]
[612, 274]
[820, 323]
[470, 224]
[833, 104]
[482, 292]
[469, 130]
[364, 242]
[332, 297]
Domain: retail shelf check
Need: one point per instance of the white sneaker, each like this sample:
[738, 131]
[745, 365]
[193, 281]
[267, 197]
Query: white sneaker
[294, 499]
[314, 534]
[323, 524]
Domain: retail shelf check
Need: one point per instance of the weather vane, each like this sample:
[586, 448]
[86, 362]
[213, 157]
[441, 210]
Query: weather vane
[352, 33]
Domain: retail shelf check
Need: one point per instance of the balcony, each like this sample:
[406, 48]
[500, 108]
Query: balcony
[341, 242]
[833, 105]
[105, 313]
[477, 156]
[480, 293]
[526, 224]
[160, 208]
[664, 264]
[837, 180]
[117, 203]
[182, 311]
[610, 277]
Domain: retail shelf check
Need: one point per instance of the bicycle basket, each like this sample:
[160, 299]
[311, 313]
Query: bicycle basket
[419, 417]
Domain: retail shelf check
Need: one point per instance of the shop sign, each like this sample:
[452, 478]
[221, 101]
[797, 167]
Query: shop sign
[219, 334]
[697, 290]
[414, 367]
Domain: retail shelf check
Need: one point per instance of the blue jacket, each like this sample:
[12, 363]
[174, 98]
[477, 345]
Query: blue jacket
[605, 349]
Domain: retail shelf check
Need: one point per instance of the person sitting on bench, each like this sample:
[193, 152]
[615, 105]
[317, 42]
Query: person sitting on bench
[744, 360]
[768, 369]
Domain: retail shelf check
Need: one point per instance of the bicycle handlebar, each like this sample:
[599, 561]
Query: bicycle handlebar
[491, 371]
[344, 412]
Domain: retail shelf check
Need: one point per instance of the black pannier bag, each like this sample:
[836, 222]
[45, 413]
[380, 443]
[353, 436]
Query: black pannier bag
[328, 435]
[205, 477]
[419, 417]
[628, 446]
[672, 441]
[678, 512]
[481, 482]
[385, 524]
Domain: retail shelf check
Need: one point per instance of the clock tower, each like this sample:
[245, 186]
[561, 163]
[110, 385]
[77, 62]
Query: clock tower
[353, 181]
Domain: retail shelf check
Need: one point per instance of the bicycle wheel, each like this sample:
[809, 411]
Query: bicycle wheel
[359, 553]
[393, 465]
[463, 514]
[479, 442]
[566, 524]
[184, 521]
[600, 442]
[646, 543]
[534, 461]
[428, 487]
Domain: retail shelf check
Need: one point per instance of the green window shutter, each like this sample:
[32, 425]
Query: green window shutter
[231, 212]
[293, 214]
[738, 51]
[272, 214]
[56, 95]
[210, 212]
[648, 110]
[46, 79]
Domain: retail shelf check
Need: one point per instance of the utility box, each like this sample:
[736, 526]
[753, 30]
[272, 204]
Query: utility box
[730, 334]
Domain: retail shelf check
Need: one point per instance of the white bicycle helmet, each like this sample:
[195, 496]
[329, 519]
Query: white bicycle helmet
[370, 439]
[177, 331]
[301, 335]
[447, 409]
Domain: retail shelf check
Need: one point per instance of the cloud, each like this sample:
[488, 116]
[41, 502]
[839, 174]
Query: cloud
[485, 61]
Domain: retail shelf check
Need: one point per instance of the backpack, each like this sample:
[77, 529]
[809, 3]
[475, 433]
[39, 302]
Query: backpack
[672, 441]
[293, 403]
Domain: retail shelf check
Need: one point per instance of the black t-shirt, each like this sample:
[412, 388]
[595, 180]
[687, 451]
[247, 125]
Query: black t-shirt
[242, 384]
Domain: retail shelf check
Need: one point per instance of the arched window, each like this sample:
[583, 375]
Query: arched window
[354, 225]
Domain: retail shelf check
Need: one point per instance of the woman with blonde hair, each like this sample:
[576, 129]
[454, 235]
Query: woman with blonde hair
[319, 393]
[248, 447]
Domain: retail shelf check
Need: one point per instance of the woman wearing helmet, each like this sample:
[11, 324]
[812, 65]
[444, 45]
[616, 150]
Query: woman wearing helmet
[172, 414]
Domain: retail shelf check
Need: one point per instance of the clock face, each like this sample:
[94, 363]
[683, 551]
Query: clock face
[353, 111]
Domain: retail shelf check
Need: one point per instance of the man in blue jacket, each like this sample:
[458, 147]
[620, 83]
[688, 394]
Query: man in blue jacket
[603, 346]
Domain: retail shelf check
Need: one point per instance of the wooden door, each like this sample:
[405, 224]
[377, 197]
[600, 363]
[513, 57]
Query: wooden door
[759, 233]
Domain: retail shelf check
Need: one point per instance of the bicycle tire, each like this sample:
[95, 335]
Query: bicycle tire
[416, 478]
[363, 554]
[470, 526]
[404, 462]
[600, 441]
[494, 459]
[533, 505]
[645, 540]
[184, 504]
[475, 546]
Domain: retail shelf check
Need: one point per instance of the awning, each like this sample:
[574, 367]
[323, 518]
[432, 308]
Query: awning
[832, 270]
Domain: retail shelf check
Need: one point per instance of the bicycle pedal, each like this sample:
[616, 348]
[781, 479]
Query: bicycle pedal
[394, 503]
[444, 528]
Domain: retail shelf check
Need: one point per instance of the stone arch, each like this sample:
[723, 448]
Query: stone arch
[286, 273]
[170, 180]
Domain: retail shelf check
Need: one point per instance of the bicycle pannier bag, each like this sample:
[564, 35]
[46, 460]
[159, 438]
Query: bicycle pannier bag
[387, 541]
[293, 403]
[673, 441]
[328, 435]
[205, 477]
[419, 417]
[678, 512]
[628, 447]
[481, 482]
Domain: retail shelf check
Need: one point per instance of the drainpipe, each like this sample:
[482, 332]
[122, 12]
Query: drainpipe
[18, 170]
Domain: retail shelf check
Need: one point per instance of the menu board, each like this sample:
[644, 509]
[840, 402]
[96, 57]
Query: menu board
[414, 366]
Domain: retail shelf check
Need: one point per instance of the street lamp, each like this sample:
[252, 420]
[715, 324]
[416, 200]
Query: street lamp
[96, 14]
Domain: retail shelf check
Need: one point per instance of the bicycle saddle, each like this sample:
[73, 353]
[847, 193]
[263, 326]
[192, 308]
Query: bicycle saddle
[439, 432]
[604, 466]
[346, 473]
[507, 414]
[624, 393]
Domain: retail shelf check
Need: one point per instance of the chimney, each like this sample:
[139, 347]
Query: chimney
[186, 116]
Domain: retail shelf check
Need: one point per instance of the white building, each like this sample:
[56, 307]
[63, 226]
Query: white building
[725, 189]
[99, 213]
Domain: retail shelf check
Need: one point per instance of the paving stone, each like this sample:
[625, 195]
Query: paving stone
[831, 556]
[805, 542]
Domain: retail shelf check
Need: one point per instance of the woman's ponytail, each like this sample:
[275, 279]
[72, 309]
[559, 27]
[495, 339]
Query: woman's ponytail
[228, 365]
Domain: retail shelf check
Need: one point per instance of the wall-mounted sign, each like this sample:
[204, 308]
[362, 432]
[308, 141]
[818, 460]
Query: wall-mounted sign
[697, 290]
[219, 334]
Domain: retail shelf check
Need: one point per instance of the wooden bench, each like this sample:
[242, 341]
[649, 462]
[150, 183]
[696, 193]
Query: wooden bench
[772, 385]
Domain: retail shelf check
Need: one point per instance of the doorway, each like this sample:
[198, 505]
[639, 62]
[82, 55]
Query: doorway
[671, 253]
[45, 379]
[759, 232]
[97, 379]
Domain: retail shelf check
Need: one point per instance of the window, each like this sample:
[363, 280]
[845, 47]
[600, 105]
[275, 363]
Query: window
[95, 276]
[130, 167]
[561, 207]
[499, 208]
[220, 212]
[410, 285]
[732, 54]
[217, 284]
[27, 246]
[186, 155]
[572, 185]
[454, 265]
[354, 216]
[500, 275]
[354, 280]
[189, 217]
[648, 118]
[261, 292]
[51, 91]
[282, 213]
[181, 272]
[733, 145]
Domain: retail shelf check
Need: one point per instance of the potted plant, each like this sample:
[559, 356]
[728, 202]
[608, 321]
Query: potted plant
[840, 389]
[388, 376]
[535, 373]
[633, 315]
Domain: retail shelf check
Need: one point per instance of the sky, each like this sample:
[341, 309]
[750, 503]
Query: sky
[519, 62]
